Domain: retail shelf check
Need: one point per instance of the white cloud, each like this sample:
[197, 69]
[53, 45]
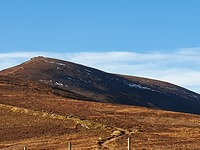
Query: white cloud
[181, 67]
[15, 58]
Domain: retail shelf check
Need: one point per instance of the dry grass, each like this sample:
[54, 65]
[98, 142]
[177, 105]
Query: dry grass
[32, 116]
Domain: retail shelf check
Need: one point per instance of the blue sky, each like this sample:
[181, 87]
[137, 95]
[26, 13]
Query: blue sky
[109, 31]
[92, 25]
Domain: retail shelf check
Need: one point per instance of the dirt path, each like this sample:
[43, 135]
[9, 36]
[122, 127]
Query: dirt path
[117, 134]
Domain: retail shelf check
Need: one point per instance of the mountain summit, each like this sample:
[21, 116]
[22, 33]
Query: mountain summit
[94, 85]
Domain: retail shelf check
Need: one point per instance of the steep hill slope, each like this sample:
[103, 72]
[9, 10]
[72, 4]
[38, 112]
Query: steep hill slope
[95, 85]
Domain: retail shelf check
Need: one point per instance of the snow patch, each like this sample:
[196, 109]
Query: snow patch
[46, 81]
[69, 78]
[58, 83]
[85, 81]
[195, 97]
[87, 70]
[139, 86]
[52, 62]
[43, 80]
[61, 64]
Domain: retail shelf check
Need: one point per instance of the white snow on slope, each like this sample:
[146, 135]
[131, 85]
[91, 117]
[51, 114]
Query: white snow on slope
[139, 86]
[52, 62]
[87, 70]
[58, 83]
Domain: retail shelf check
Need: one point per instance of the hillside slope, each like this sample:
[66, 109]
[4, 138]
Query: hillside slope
[40, 116]
[95, 85]
[32, 115]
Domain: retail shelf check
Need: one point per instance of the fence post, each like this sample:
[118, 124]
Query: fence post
[129, 144]
[69, 146]
[25, 147]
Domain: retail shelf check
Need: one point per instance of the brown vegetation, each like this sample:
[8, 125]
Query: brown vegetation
[42, 120]
[42, 116]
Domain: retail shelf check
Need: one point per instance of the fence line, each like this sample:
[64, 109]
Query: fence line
[70, 145]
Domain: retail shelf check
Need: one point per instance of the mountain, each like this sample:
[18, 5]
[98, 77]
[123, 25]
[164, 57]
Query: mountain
[76, 81]
[46, 103]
